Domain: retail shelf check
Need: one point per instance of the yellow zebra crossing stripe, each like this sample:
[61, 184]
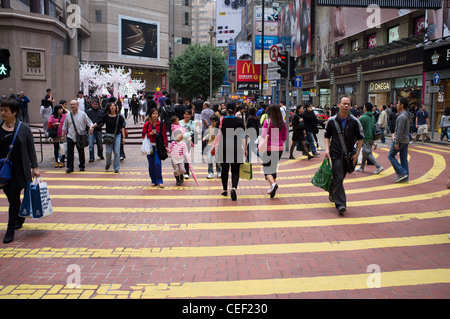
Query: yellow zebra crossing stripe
[238, 225]
[217, 251]
[364, 281]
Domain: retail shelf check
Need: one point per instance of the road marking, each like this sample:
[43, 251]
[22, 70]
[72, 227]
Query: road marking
[237, 225]
[230, 288]
[221, 251]
[272, 208]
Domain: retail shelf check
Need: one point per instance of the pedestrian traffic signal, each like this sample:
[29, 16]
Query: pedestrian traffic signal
[283, 64]
[5, 68]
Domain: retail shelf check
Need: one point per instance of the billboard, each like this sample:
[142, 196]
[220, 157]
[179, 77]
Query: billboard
[228, 20]
[247, 75]
[139, 38]
[346, 21]
[296, 27]
[437, 23]
[409, 4]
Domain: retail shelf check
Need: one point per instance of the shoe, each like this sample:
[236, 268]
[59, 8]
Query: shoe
[101, 157]
[19, 223]
[82, 169]
[359, 170]
[160, 185]
[178, 181]
[219, 175]
[291, 157]
[233, 194]
[269, 190]
[122, 158]
[274, 190]
[116, 171]
[69, 170]
[379, 169]
[56, 165]
[9, 236]
[310, 156]
[91, 161]
[224, 193]
[341, 210]
[107, 167]
[400, 178]
[186, 176]
[61, 165]
[330, 198]
[210, 176]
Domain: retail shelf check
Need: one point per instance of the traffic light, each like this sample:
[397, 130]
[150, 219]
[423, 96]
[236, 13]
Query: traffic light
[283, 64]
[292, 67]
[5, 68]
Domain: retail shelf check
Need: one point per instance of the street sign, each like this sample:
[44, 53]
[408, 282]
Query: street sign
[433, 89]
[274, 52]
[437, 78]
[272, 74]
[298, 81]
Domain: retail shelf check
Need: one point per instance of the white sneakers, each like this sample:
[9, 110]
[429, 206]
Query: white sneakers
[378, 170]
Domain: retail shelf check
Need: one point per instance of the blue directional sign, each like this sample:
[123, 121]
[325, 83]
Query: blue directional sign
[298, 81]
[437, 78]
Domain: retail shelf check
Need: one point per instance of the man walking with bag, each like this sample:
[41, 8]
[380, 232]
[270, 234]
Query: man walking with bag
[75, 124]
[368, 123]
[341, 132]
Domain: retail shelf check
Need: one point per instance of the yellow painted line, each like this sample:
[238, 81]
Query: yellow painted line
[217, 251]
[298, 285]
[272, 208]
[364, 281]
[237, 226]
[432, 149]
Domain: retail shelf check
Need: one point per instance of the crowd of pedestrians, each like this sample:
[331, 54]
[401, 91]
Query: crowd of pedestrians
[229, 135]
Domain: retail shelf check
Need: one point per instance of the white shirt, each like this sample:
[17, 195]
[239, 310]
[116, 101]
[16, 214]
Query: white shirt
[81, 106]
[81, 121]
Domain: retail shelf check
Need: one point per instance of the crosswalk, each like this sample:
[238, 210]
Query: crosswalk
[133, 241]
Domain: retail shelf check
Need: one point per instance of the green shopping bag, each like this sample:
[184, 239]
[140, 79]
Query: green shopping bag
[322, 178]
[246, 171]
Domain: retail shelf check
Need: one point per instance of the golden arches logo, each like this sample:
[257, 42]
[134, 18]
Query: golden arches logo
[248, 65]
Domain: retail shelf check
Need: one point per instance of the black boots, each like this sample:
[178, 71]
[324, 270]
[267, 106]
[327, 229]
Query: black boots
[180, 180]
[9, 236]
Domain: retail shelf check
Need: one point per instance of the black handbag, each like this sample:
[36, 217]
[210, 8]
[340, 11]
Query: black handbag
[348, 156]
[377, 132]
[160, 145]
[6, 164]
[82, 140]
[109, 138]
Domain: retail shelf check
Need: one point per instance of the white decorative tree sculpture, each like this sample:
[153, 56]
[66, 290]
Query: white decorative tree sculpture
[115, 77]
[88, 72]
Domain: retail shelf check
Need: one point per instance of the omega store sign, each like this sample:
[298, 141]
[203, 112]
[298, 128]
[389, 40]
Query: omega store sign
[379, 86]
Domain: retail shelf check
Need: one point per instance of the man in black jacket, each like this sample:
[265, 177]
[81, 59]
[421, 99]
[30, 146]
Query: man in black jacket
[352, 131]
[96, 114]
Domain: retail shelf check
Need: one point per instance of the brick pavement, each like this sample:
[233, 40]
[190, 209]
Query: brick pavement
[130, 240]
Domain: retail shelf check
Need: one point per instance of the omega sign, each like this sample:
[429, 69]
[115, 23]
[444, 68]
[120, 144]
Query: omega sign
[380, 86]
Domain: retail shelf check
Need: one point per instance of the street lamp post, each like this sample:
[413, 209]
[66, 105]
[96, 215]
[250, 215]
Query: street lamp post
[212, 33]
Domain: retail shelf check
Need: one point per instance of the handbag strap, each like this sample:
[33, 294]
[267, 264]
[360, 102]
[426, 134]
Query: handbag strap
[117, 124]
[341, 137]
[73, 122]
[14, 140]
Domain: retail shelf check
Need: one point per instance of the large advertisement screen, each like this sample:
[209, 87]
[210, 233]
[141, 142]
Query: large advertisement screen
[410, 4]
[138, 38]
[296, 27]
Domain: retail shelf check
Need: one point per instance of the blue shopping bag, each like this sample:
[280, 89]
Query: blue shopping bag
[36, 203]
[25, 208]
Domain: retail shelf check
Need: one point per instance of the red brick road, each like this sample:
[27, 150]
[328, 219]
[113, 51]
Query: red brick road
[130, 240]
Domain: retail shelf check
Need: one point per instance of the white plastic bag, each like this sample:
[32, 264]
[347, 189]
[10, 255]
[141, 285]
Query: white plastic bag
[146, 148]
[63, 148]
[40, 199]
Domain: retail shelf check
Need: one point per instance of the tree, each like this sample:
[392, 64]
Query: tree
[189, 72]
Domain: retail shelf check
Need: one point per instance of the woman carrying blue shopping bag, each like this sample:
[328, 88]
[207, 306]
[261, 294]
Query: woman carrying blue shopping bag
[23, 157]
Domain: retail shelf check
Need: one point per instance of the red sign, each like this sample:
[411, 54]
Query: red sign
[163, 82]
[246, 71]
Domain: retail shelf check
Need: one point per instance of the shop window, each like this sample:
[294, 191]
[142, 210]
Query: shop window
[340, 50]
[372, 41]
[355, 45]
[394, 34]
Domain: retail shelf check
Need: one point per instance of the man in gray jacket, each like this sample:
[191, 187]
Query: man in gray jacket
[400, 142]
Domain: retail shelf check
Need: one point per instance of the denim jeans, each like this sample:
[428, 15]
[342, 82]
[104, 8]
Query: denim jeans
[96, 137]
[310, 138]
[110, 148]
[383, 136]
[155, 167]
[402, 167]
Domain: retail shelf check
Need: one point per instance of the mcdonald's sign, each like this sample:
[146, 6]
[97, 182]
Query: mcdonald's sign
[246, 71]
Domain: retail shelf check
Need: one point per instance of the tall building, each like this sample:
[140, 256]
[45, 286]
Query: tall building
[204, 16]
[48, 39]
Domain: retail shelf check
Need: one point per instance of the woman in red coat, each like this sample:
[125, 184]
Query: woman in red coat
[152, 127]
